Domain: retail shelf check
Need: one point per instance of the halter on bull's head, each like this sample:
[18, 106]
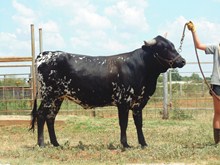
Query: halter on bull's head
[164, 52]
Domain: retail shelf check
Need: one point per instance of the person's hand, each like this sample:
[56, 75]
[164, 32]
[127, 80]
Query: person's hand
[191, 26]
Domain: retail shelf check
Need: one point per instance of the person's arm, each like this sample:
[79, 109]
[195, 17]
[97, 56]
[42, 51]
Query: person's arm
[198, 44]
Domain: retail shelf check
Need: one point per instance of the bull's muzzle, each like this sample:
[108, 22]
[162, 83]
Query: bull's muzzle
[180, 62]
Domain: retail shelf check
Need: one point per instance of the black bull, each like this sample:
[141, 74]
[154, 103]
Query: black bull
[126, 80]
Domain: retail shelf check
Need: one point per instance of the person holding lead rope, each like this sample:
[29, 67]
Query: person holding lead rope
[215, 78]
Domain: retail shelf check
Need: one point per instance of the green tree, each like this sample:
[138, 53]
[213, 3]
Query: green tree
[175, 75]
[195, 77]
[12, 81]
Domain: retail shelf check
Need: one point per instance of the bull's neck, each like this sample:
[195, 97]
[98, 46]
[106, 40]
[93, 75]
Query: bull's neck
[153, 67]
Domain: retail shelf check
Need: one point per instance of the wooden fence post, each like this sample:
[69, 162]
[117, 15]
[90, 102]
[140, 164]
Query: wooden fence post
[165, 96]
[165, 93]
[40, 40]
[33, 62]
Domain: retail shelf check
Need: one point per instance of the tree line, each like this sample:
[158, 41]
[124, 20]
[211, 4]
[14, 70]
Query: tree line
[175, 76]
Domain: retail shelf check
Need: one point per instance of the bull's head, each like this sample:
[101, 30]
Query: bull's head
[164, 52]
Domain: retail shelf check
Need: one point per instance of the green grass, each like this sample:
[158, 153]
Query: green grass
[86, 140]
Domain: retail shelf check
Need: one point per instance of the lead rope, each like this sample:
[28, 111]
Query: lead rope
[197, 57]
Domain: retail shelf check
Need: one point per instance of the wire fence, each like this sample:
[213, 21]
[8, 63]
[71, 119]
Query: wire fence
[16, 98]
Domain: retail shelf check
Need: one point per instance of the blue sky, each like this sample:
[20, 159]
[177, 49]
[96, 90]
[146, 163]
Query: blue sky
[98, 27]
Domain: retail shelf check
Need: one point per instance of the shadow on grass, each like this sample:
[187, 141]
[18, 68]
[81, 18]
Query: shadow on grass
[199, 145]
[83, 147]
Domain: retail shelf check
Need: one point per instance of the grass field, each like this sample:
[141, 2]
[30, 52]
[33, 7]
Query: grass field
[87, 140]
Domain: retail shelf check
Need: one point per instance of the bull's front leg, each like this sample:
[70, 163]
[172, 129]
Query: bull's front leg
[137, 116]
[123, 123]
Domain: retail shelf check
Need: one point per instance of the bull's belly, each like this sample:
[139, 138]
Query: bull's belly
[89, 102]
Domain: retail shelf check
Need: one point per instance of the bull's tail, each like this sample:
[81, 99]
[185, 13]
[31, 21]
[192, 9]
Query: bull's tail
[33, 115]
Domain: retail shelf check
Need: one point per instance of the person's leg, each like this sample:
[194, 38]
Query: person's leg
[216, 118]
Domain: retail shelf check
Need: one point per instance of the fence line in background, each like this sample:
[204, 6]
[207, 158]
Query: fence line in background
[188, 96]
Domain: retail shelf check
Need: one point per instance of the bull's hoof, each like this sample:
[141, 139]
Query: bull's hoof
[56, 144]
[41, 145]
[143, 146]
[125, 145]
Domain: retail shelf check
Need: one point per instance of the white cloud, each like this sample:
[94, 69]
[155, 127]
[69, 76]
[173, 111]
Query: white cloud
[18, 42]
[50, 26]
[80, 14]
[52, 39]
[23, 20]
[68, 4]
[208, 31]
[114, 23]
[79, 42]
[24, 17]
[6, 37]
[12, 46]
[97, 43]
[90, 19]
[23, 10]
[129, 14]
[100, 28]
[113, 46]
[173, 29]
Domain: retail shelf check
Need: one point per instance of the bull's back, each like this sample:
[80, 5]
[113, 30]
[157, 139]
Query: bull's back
[83, 78]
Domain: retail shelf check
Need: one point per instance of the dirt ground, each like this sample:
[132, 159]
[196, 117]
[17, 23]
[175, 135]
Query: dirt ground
[6, 120]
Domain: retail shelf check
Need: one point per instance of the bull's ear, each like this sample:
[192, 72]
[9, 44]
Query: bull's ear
[150, 43]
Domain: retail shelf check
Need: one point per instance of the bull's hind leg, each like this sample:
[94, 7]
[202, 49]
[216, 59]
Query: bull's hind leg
[41, 118]
[50, 119]
[47, 113]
